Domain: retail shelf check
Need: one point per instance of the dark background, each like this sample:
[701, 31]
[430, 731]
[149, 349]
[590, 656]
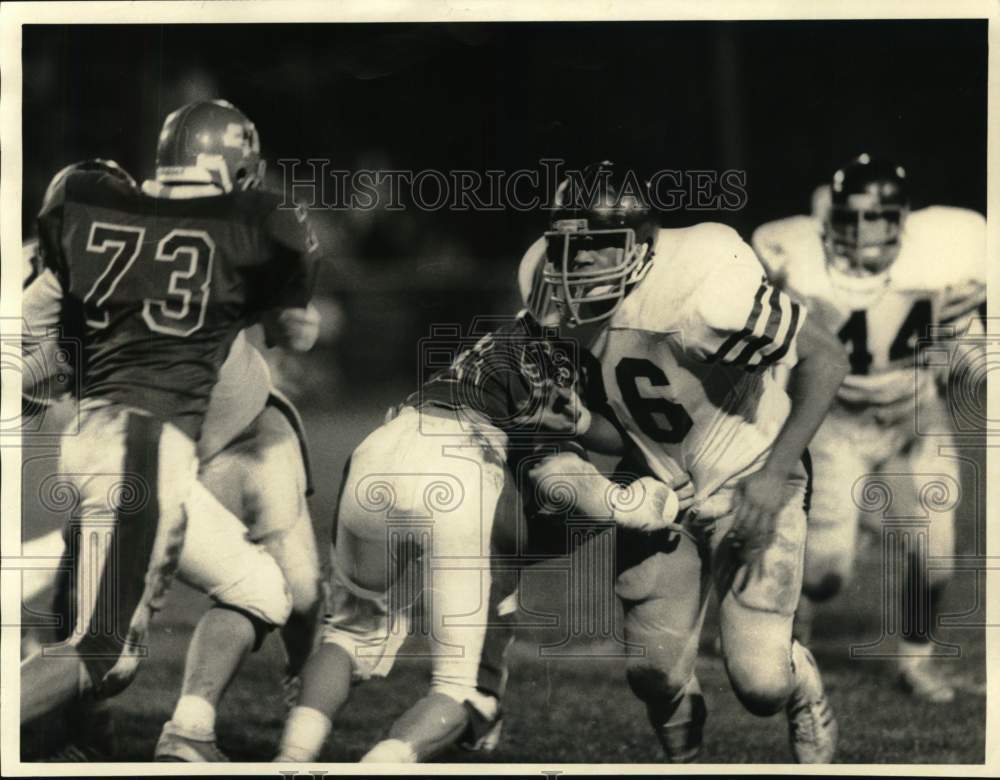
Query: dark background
[788, 102]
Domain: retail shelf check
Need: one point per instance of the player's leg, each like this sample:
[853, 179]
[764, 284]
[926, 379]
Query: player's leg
[361, 632]
[37, 582]
[931, 496]
[757, 599]
[469, 632]
[130, 474]
[250, 599]
[360, 638]
[277, 514]
[662, 583]
[832, 539]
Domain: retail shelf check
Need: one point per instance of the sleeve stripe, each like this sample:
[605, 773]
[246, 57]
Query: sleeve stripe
[735, 338]
[793, 327]
[773, 324]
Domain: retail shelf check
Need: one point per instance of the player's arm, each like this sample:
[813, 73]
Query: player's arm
[41, 309]
[963, 301]
[568, 479]
[739, 319]
[647, 505]
[295, 328]
[812, 386]
[43, 298]
[291, 321]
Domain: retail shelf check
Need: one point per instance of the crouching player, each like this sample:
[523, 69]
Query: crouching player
[684, 329]
[428, 504]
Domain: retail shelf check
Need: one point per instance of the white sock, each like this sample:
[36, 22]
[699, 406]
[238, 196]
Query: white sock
[305, 732]
[390, 751]
[195, 715]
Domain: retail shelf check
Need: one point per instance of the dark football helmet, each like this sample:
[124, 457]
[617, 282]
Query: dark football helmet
[209, 142]
[110, 167]
[597, 247]
[863, 227]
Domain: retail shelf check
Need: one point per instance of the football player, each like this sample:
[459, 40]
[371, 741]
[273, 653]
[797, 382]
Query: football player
[685, 330]
[164, 286]
[429, 501]
[253, 461]
[886, 281]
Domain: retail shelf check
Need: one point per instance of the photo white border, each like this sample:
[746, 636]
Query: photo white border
[14, 14]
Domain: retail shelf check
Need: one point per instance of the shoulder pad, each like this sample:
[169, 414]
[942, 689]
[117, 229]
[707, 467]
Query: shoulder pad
[942, 247]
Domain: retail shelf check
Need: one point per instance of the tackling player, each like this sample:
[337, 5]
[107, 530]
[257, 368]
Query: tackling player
[429, 501]
[164, 287]
[685, 329]
[886, 281]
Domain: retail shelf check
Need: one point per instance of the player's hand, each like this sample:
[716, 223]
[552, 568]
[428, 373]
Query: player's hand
[554, 409]
[684, 488]
[758, 500]
[293, 328]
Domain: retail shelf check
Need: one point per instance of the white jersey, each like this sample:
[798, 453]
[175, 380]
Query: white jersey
[686, 360]
[938, 280]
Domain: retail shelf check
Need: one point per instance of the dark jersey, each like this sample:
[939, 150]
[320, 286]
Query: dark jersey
[502, 374]
[163, 286]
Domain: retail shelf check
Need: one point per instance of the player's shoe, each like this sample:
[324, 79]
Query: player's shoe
[483, 743]
[924, 680]
[812, 727]
[175, 745]
[73, 753]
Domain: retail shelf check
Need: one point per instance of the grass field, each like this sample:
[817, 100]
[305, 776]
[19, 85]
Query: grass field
[573, 709]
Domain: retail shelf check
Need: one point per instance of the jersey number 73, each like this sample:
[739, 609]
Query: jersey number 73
[181, 264]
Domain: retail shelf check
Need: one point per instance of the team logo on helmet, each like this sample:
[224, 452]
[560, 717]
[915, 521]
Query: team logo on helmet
[209, 142]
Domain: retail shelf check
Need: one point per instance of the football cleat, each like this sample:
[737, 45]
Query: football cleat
[174, 745]
[923, 679]
[812, 727]
[484, 743]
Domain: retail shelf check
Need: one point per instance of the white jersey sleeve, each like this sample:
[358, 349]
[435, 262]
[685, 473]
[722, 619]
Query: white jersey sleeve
[782, 243]
[739, 318]
[41, 310]
[965, 292]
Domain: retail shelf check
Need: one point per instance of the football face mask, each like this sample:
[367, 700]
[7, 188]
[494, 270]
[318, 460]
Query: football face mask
[587, 273]
[863, 239]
